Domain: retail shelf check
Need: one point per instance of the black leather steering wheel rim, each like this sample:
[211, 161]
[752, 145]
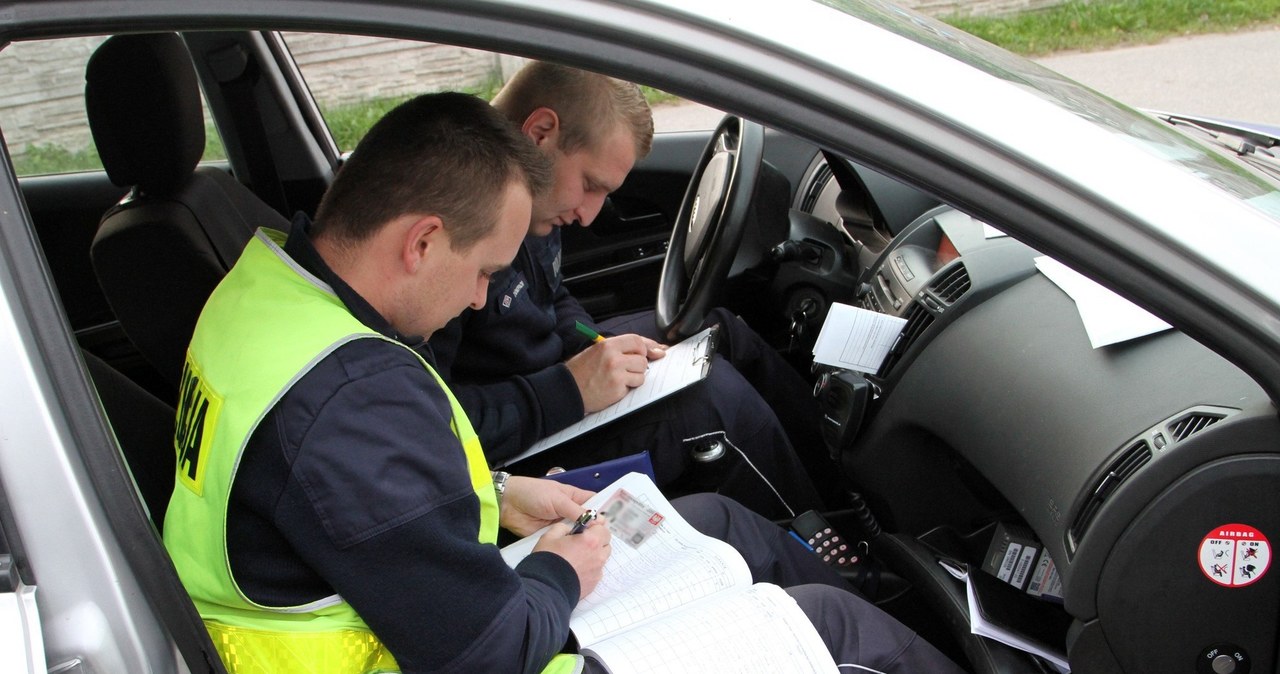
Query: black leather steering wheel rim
[709, 226]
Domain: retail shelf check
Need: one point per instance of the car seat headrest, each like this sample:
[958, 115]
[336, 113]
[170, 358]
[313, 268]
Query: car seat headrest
[143, 103]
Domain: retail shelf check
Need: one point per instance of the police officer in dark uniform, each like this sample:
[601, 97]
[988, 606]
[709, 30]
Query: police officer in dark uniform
[523, 371]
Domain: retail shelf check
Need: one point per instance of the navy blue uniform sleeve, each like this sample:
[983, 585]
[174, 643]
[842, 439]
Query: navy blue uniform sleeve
[508, 413]
[380, 504]
[509, 416]
[568, 312]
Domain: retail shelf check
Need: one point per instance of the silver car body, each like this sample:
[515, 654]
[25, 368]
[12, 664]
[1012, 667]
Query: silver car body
[1007, 141]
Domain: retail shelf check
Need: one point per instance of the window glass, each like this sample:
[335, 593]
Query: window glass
[42, 107]
[356, 79]
[676, 114]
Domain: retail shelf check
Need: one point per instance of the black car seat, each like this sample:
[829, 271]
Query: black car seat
[160, 251]
[143, 425]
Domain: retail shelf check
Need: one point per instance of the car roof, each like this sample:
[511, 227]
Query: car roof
[1008, 143]
[1054, 164]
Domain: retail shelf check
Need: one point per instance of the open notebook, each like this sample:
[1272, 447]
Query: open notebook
[684, 602]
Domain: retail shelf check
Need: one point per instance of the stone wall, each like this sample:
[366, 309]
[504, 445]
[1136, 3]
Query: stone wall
[337, 66]
[976, 7]
[42, 84]
[42, 93]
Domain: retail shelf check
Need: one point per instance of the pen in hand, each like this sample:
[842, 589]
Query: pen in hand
[588, 332]
[580, 524]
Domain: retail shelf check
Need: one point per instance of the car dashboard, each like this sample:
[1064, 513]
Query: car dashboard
[994, 407]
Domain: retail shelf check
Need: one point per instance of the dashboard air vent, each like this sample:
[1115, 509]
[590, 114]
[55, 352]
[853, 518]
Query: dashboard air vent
[918, 320]
[816, 185]
[1187, 426]
[952, 284]
[1121, 469]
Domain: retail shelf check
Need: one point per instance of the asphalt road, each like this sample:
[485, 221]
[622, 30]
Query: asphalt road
[1231, 75]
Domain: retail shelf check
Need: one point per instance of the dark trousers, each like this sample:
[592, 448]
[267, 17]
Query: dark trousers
[854, 630]
[773, 380]
[759, 467]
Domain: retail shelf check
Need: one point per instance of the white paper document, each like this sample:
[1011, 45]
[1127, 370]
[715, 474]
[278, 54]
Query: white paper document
[964, 232]
[684, 602]
[991, 232]
[856, 339]
[979, 625]
[684, 364]
[1108, 318]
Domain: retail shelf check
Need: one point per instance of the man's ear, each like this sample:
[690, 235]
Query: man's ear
[421, 237]
[542, 126]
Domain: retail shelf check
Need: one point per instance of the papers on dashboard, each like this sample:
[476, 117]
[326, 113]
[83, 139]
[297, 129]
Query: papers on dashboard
[991, 232]
[964, 232]
[856, 339]
[1108, 318]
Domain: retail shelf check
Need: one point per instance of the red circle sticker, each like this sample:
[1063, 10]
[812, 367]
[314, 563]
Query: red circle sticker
[1234, 555]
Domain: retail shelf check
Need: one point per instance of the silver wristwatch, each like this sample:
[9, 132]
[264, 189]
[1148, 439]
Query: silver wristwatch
[500, 485]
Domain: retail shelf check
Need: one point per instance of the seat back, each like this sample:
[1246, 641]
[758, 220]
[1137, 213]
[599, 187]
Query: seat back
[159, 253]
[143, 425]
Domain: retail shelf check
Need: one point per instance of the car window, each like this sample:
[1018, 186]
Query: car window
[356, 79]
[42, 107]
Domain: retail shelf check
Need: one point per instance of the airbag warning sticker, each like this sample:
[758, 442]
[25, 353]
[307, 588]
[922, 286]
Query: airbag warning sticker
[1234, 555]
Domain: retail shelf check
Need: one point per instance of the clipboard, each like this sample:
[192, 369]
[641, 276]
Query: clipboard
[685, 364]
[597, 476]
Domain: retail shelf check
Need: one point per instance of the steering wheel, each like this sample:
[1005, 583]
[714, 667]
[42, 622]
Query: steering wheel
[709, 226]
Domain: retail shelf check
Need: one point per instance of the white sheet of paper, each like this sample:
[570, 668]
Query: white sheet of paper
[1108, 318]
[684, 365]
[964, 232]
[687, 594]
[980, 626]
[856, 339]
[704, 564]
[759, 631]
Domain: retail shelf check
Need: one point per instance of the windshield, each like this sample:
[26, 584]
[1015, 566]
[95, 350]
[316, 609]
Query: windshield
[1240, 179]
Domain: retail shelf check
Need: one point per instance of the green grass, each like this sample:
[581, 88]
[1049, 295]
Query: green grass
[349, 123]
[48, 158]
[1084, 25]
[658, 97]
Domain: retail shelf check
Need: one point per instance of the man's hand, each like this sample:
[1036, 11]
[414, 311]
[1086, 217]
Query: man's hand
[586, 552]
[606, 370]
[528, 504]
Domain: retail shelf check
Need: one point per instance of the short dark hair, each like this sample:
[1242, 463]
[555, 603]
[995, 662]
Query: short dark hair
[449, 154]
[589, 105]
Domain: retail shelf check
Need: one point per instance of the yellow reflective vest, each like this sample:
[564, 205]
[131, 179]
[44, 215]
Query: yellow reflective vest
[265, 326]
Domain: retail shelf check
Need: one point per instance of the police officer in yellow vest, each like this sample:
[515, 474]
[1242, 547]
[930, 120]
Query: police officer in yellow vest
[329, 485]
